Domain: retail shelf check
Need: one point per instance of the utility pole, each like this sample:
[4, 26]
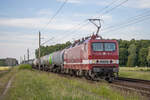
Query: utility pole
[39, 50]
[24, 59]
[20, 59]
[28, 54]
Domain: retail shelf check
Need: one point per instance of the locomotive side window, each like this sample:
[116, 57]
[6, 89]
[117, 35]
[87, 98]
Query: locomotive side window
[97, 46]
[109, 46]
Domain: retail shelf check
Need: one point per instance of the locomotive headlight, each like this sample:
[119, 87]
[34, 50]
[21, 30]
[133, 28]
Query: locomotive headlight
[115, 61]
[93, 61]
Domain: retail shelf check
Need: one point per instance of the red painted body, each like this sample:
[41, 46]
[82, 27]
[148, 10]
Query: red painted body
[81, 56]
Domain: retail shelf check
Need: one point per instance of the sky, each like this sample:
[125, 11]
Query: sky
[21, 20]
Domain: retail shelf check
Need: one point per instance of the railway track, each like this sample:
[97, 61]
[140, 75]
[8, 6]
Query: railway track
[134, 80]
[130, 84]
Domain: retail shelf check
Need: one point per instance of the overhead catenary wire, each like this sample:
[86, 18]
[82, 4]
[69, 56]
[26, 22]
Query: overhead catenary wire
[101, 11]
[58, 10]
[134, 20]
[113, 8]
[56, 13]
[130, 19]
[107, 11]
[85, 20]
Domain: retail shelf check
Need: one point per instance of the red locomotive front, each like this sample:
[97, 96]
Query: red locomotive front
[96, 58]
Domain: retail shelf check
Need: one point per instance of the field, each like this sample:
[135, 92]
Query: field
[35, 85]
[3, 68]
[135, 72]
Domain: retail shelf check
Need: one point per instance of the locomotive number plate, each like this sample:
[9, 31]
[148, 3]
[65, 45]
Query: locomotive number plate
[104, 62]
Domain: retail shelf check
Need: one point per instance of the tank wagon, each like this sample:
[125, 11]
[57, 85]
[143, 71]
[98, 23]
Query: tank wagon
[93, 57]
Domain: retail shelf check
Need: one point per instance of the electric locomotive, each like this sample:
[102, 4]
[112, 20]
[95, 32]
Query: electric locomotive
[92, 57]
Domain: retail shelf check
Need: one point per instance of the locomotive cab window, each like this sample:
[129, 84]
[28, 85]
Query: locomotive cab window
[99, 46]
[109, 46]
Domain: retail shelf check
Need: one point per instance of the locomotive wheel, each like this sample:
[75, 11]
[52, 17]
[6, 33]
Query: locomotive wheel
[87, 76]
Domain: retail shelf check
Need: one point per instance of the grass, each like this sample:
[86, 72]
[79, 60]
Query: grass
[35, 85]
[25, 66]
[145, 69]
[135, 72]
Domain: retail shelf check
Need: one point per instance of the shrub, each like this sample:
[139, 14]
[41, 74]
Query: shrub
[25, 66]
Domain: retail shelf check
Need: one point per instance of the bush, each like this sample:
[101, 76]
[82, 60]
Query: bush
[25, 66]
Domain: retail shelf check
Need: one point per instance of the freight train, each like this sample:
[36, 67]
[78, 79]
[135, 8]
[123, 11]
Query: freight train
[93, 57]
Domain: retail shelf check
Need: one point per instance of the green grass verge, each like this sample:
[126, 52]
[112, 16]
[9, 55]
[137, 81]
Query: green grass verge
[25, 66]
[144, 69]
[135, 72]
[35, 85]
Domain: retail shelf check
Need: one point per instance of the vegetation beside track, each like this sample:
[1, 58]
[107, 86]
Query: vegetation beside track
[25, 66]
[135, 72]
[4, 78]
[35, 85]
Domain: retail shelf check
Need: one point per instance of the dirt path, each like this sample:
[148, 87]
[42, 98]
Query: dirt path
[7, 87]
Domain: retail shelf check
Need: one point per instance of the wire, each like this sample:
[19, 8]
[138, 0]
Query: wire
[129, 19]
[129, 22]
[59, 9]
[92, 16]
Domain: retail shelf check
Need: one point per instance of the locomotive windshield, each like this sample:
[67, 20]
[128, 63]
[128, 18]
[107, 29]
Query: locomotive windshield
[99, 46]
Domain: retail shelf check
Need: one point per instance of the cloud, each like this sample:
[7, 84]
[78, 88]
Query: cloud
[39, 23]
[45, 12]
[34, 23]
[138, 4]
[15, 44]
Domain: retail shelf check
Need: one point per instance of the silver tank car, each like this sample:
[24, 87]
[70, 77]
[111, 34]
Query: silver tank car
[58, 58]
[45, 60]
[36, 62]
[30, 61]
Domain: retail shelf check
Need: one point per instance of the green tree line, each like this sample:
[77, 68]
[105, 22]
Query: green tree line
[50, 49]
[131, 53]
[134, 53]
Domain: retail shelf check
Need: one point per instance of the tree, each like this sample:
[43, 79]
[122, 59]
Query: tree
[148, 57]
[50, 49]
[123, 56]
[142, 57]
[132, 55]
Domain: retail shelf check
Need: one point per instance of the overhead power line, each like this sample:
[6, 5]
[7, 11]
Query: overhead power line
[58, 10]
[79, 25]
[131, 21]
[116, 6]
[107, 11]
